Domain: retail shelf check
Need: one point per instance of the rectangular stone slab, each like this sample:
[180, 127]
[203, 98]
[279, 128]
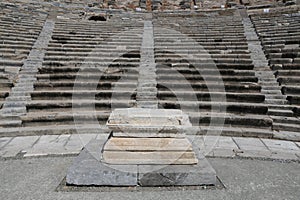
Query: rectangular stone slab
[148, 144]
[148, 135]
[150, 157]
[122, 119]
[168, 130]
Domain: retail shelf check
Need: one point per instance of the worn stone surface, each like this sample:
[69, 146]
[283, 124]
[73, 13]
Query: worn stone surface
[87, 169]
[177, 175]
[4, 141]
[281, 146]
[148, 123]
[148, 144]
[17, 145]
[47, 145]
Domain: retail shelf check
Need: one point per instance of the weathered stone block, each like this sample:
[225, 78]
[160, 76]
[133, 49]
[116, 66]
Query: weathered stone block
[88, 170]
[177, 175]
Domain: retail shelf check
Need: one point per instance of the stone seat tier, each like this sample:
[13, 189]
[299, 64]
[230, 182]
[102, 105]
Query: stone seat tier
[199, 78]
[76, 104]
[205, 60]
[96, 76]
[186, 68]
[95, 45]
[65, 118]
[181, 52]
[69, 85]
[116, 53]
[89, 58]
[204, 55]
[85, 69]
[206, 96]
[197, 119]
[207, 47]
[212, 85]
[206, 106]
[69, 94]
[220, 66]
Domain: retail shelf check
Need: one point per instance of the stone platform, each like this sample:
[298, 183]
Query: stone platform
[162, 156]
[88, 169]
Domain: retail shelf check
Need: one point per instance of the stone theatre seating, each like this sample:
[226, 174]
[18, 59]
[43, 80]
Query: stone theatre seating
[222, 36]
[73, 47]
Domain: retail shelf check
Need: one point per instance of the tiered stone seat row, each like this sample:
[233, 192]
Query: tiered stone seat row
[220, 54]
[18, 32]
[86, 59]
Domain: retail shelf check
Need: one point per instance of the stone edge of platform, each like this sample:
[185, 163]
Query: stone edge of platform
[210, 146]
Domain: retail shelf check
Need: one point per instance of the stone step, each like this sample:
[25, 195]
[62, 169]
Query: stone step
[285, 120]
[259, 132]
[274, 97]
[102, 48]
[225, 47]
[208, 85]
[69, 85]
[275, 101]
[94, 46]
[280, 107]
[81, 94]
[182, 52]
[217, 96]
[205, 55]
[277, 112]
[90, 59]
[294, 99]
[214, 77]
[89, 63]
[58, 129]
[286, 127]
[78, 103]
[88, 76]
[218, 119]
[64, 117]
[50, 54]
[232, 107]
[10, 123]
